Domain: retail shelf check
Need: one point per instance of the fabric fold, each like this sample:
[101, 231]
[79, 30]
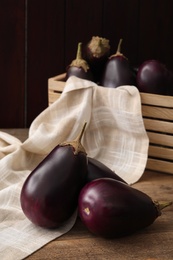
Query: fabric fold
[115, 135]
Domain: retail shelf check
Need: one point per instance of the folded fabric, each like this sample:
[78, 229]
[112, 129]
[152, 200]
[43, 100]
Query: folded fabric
[115, 135]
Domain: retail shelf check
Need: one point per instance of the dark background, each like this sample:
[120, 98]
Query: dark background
[38, 39]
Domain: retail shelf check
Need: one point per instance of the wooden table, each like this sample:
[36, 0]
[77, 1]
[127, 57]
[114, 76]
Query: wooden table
[153, 243]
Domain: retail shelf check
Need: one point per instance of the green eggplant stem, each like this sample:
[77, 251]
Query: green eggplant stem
[76, 143]
[79, 137]
[79, 51]
[164, 204]
[161, 205]
[79, 62]
[118, 52]
[119, 47]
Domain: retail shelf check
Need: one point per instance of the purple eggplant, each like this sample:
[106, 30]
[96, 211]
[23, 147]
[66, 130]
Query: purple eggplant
[97, 170]
[79, 67]
[118, 71]
[49, 195]
[110, 208]
[96, 53]
[153, 77]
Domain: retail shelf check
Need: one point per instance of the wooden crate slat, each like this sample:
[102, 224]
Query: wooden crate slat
[157, 100]
[56, 83]
[160, 139]
[159, 165]
[158, 126]
[60, 77]
[160, 152]
[157, 112]
[53, 97]
[58, 89]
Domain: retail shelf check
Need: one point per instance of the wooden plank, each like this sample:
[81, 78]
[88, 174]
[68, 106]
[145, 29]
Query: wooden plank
[53, 97]
[45, 51]
[157, 100]
[60, 77]
[157, 112]
[158, 126]
[160, 166]
[56, 83]
[160, 139]
[12, 63]
[55, 88]
[160, 152]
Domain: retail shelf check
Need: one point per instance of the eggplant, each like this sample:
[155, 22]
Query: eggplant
[49, 195]
[111, 209]
[96, 53]
[79, 67]
[153, 77]
[118, 71]
[97, 170]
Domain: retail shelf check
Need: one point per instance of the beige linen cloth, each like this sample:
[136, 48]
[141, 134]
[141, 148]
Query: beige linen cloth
[114, 134]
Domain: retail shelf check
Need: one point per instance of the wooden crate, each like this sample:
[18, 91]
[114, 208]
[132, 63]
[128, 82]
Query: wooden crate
[55, 87]
[157, 111]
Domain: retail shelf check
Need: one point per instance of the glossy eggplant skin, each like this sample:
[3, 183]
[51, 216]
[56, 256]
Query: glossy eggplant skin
[111, 209]
[80, 73]
[117, 72]
[97, 170]
[49, 195]
[153, 77]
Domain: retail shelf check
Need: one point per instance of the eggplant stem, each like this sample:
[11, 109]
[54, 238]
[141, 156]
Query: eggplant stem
[118, 52]
[164, 204]
[76, 143]
[79, 137]
[119, 47]
[79, 62]
[161, 205]
[79, 51]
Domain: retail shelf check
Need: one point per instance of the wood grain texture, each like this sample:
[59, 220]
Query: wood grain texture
[157, 112]
[158, 100]
[160, 139]
[158, 126]
[161, 152]
[160, 165]
[45, 51]
[12, 63]
[155, 33]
